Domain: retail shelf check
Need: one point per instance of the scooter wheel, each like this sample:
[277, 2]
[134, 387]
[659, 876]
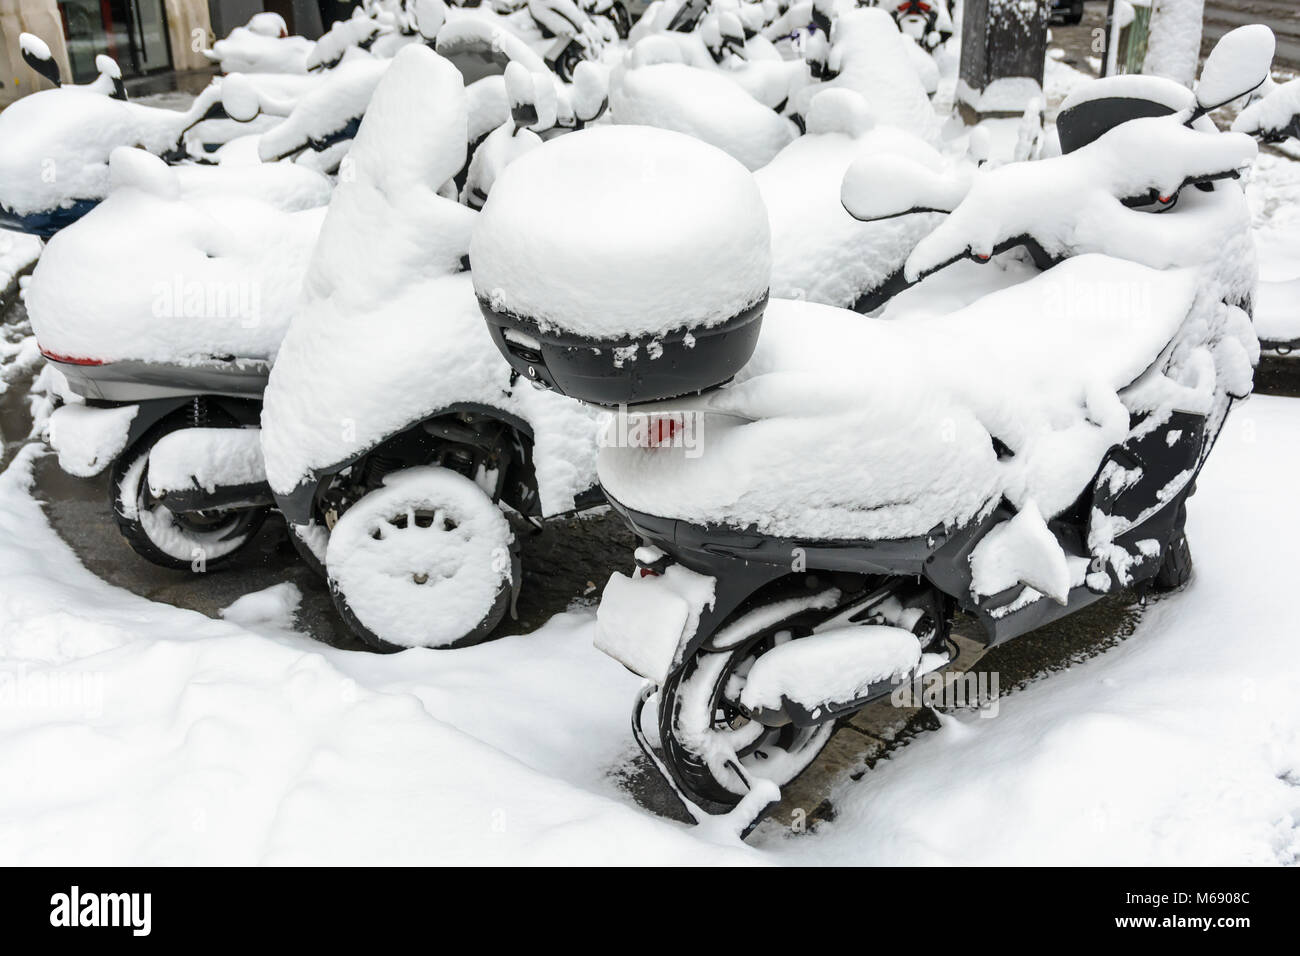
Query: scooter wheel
[426, 560]
[704, 732]
[183, 541]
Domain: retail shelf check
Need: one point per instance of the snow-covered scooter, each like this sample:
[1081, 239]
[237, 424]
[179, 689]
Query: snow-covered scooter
[162, 309]
[55, 144]
[399, 446]
[810, 528]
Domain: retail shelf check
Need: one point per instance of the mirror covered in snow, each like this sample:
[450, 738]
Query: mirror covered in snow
[1238, 64]
[882, 186]
[239, 98]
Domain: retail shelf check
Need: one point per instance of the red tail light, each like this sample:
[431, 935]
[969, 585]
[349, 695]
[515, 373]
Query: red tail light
[663, 431]
[68, 359]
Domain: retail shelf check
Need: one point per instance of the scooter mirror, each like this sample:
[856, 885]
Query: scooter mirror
[883, 186]
[240, 98]
[1238, 64]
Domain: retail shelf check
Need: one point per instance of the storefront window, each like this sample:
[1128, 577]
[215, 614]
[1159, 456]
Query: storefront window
[132, 32]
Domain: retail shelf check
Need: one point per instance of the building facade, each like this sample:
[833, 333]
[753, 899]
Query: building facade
[143, 36]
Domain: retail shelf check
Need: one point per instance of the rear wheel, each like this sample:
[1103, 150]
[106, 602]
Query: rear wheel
[182, 541]
[704, 733]
[1074, 16]
[425, 560]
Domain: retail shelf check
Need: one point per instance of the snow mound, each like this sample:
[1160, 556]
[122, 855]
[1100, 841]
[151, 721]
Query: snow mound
[619, 231]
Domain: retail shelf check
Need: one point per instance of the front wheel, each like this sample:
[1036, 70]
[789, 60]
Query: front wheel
[182, 541]
[703, 730]
[426, 560]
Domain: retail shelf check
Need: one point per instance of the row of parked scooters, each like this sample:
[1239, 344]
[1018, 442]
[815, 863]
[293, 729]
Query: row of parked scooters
[413, 383]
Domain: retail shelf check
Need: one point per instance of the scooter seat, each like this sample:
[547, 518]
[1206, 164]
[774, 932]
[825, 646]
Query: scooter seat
[848, 428]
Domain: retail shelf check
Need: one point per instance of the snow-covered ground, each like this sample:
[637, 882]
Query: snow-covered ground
[132, 731]
[135, 732]
[17, 252]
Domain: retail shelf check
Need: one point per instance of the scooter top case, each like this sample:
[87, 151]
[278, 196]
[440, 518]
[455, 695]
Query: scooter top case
[624, 264]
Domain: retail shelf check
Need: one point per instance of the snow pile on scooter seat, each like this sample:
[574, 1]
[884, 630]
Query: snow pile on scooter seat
[868, 56]
[700, 103]
[153, 276]
[261, 46]
[387, 332]
[819, 251]
[55, 145]
[843, 427]
[684, 243]
[326, 110]
[287, 186]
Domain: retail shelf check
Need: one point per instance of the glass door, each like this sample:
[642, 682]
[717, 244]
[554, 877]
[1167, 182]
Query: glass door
[149, 46]
[132, 32]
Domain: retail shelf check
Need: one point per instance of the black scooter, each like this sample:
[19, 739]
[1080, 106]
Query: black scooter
[723, 619]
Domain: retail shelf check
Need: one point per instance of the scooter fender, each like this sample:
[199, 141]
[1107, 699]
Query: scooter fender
[87, 439]
[193, 469]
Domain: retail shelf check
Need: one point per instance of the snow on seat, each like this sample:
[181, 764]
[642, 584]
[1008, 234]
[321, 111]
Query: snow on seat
[154, 276]
[843, 427]
[869, 57]
[56, 143]
[388, 331]
[819, 251]
[701, 103]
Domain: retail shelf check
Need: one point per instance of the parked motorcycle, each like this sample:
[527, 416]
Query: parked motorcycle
[54, 165]
[163, 311]
[811, 526]
[402, 451]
